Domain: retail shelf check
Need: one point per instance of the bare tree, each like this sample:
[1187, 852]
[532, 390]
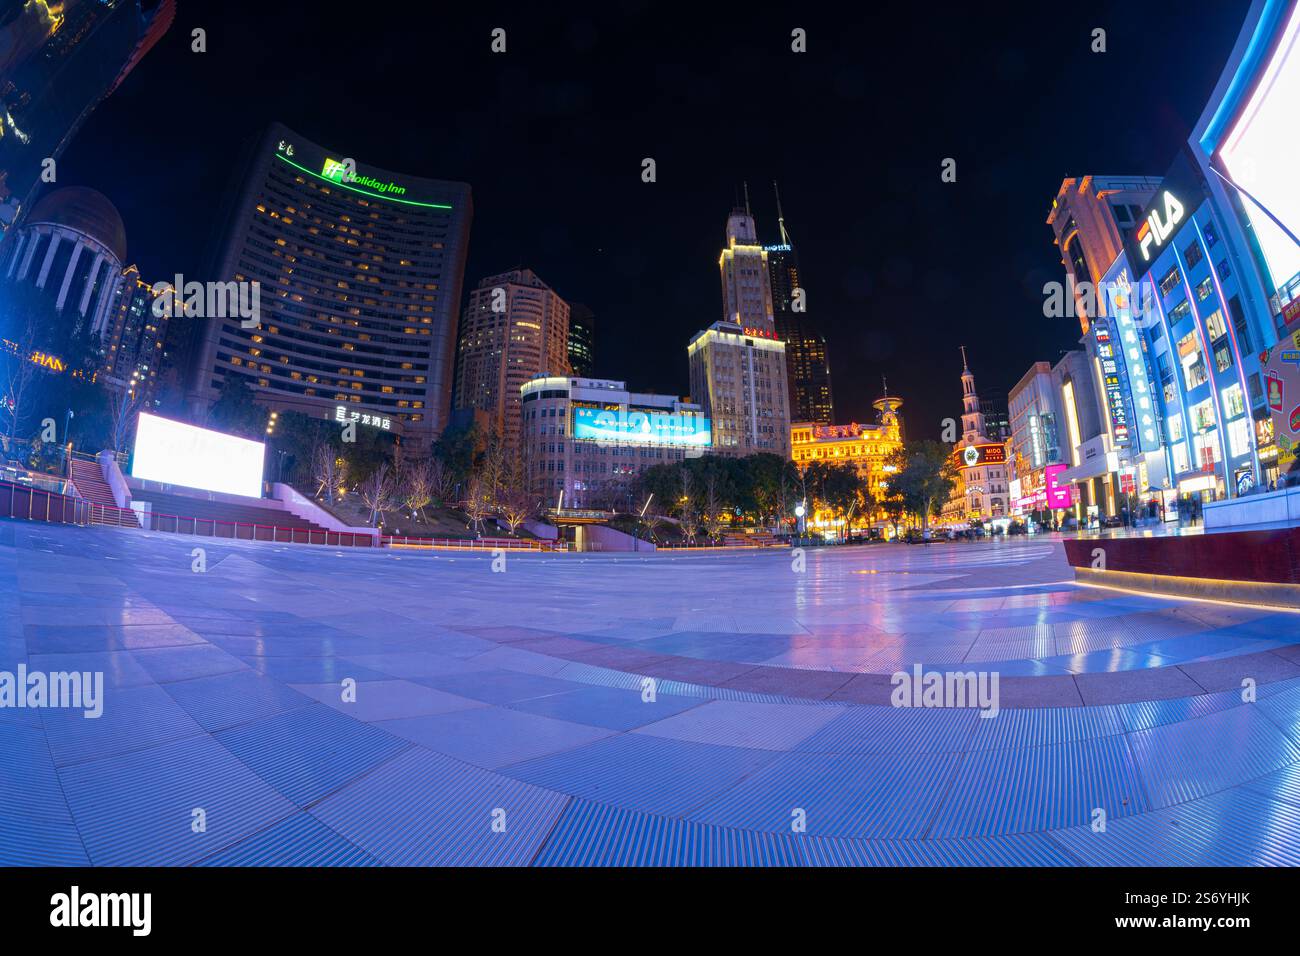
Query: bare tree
[686, 511]
[378, 491]
[442, 481]
[415, 485]
[712, 506]
[17, 373]
[478, 503]
[123, 407]
[328, 470]
[516, 507]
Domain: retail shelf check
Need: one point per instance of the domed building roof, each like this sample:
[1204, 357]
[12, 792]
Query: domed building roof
[85, 211]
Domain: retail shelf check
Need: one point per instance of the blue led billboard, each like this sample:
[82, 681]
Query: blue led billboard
[642, 426]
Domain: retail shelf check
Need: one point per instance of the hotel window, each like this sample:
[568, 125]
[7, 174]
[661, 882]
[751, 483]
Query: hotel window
[1205, 289]
[1225, 271]
[1175, 428]
[1179, 312]
[1211, 233]
[1193, 254]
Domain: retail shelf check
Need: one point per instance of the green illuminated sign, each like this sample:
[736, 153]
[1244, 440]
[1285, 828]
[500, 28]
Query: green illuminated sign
[336, 173]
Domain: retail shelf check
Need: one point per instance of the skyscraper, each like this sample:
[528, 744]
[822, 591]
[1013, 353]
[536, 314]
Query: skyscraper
[737, 366]
[746, 284]
[360, 273]
[133, 338]
[807, 363]
[582, 340]
[57, 63]
[514, 328]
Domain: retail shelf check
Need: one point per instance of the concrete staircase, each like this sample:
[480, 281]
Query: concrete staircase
[91, 486]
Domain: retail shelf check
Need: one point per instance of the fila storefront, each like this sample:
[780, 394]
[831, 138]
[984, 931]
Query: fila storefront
[1189, 305]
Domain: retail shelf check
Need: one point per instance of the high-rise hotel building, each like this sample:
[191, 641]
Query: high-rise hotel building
[514, 328]
[360, 274]
[737, 366]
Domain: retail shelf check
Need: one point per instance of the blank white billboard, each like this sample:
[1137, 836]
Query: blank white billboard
[178, 454]
[1261, 153]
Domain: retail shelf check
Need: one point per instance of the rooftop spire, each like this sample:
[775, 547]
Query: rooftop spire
[964, 366]
[780, 216]
[747, 212]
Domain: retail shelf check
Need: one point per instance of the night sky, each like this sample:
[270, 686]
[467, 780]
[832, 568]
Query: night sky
[899, 267]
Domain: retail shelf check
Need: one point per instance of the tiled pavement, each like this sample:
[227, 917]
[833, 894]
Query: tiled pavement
[310, 706]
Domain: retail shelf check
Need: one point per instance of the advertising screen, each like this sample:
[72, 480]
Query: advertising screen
[1260, 153]
[644, 426]
[178, 454]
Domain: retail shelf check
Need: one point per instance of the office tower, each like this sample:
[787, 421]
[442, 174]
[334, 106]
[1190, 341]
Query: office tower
[133, 339]
[807, 363]
[582, 339]
[359, 271]
[514, 328]
[737, 366]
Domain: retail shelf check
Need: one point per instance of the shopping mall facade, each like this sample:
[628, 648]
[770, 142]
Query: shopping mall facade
[1191, 343]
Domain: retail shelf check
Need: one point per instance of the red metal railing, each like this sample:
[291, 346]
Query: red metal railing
[38, 504]
[460, 544]
[253, 531]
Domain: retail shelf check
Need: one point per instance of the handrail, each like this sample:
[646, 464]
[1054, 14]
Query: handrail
[461, 544]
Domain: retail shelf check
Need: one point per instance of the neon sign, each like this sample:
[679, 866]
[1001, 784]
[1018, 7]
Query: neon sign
[342, 414]
[1153, 230]
[340, 173]
[335, 172]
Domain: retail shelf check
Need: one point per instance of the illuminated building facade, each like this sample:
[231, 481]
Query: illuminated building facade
[865, 447]
[360, 273]
[515, 327]
[1035, 441]
[133, 339]
[588, 439]
[739, 375]
[64, 263]
[807, 363]
[58, 61]
[1244, 148]
[738, 365]
[1090, 216]
[983, 491]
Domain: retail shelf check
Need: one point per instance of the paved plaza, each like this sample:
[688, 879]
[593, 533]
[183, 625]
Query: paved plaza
[504, 718]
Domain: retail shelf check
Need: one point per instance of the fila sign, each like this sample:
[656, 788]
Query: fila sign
[1153, 231]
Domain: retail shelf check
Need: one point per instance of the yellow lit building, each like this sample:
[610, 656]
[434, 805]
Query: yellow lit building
[866, 447]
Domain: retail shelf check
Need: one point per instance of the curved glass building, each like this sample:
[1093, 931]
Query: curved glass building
[360, 272]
